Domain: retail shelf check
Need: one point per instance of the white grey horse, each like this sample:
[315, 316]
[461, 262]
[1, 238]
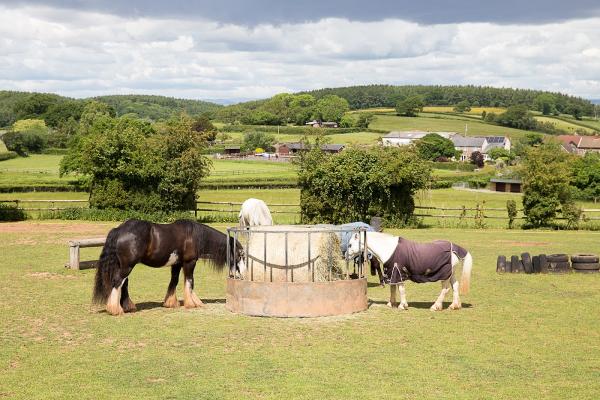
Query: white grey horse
[255, 212]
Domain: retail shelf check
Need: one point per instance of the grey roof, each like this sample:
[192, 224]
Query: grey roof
[467, 141]
[333, 147]
[406, 135]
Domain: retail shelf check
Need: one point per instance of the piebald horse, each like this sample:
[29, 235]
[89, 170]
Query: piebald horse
[178, 245]
[255, 212]
[419, 262]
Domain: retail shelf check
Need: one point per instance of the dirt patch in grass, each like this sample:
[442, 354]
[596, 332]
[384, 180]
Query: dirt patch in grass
[49, 275]
[69, 228]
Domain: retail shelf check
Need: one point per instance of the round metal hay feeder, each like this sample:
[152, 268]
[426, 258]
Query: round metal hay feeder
[296, 271]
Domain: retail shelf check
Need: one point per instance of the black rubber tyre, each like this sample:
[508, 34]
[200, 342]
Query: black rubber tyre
[527, 265]
[586, 266]
[535, 260]
[501, 264]
[555, 258]
[543, 264]
[584, 258]
[586, 271]
[516, 265]
[559, 267]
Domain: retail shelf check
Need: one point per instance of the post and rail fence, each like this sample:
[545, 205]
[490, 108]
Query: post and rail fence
[232, 208]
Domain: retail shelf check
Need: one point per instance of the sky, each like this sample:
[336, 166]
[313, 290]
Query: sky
[232, 50]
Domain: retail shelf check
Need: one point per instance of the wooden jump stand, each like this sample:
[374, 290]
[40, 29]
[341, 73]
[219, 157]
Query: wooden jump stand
[75, 245]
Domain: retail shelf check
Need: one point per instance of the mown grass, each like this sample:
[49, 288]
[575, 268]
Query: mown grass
[518, 336]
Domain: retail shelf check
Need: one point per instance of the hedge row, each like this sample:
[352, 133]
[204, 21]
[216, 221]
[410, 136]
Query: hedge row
[292, 130]
[454, 166]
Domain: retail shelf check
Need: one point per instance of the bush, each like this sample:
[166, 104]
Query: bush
[356, 184]
[511, 208]
[25, 142]
[442, 184]
[8, 155]
[94, 214]
[10, 212]
[478, 183]
[453, 166]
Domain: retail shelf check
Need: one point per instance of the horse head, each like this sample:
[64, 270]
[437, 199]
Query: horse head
[237, 266]
[353, 249]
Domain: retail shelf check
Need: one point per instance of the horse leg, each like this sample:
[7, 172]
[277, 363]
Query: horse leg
[438, 305]
[126, 303]
[403, 304]
[392, 302]
[190, 300]
[456, 305]
[171, 297]
[113, 305]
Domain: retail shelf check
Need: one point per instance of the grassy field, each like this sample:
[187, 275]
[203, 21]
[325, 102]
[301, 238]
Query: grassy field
[474, 110]
[568, 126]
[442, 123]
[37, 169]
[518, 336]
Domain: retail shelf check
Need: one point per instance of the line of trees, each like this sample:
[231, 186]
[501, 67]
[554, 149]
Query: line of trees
[371, 96]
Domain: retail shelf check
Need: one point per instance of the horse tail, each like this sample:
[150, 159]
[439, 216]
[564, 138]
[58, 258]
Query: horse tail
[465, 277]
[107, 265]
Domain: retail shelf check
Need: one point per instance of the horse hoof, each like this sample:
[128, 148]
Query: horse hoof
[454, 306]
[171, 302]
[403, 307]
[436, 307]
[115, 310]
[129, 306]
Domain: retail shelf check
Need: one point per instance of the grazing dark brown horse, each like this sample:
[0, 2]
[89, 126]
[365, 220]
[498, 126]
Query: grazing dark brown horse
[178, 245]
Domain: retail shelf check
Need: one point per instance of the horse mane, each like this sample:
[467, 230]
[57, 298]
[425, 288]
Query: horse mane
[211, 244]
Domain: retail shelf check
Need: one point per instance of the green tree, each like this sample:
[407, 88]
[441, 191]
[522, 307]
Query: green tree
[546, 177]
[203, 125]
[132, 165]
[411, 106]
[254, 140]
[34, 105]
[331, 108]
[30, 125]
[364, 120]
[347, 121]
[517, 117]
[530, 139]
[433, 146]
[546, 103]
[60, 113]
[463, 106]
[500, 153]
[357, 183]
[586, 176]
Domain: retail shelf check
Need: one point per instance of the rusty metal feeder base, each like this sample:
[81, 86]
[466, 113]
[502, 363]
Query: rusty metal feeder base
[296, 299]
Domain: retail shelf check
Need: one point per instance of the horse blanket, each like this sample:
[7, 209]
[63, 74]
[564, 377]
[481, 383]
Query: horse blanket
[421, 262]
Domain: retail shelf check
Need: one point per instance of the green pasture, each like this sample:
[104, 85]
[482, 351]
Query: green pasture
[518, 336]
[443, 124]
[37, 169]
[335, 138]
[565, 125]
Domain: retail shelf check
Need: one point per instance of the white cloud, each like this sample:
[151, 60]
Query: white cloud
[85, 54]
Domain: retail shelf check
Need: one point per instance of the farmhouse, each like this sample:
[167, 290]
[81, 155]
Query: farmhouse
[467, 145]
[580, 145]
[402, 138]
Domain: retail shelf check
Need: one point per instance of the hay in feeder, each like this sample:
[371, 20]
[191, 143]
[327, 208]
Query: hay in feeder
[326, 262]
